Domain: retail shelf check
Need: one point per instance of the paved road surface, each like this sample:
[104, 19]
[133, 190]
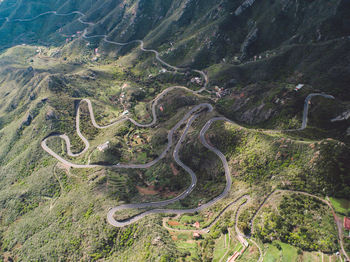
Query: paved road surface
[147, 165]
[189, 117]
[306, 107]
[114, 222]
[305, 112]
[105, 39]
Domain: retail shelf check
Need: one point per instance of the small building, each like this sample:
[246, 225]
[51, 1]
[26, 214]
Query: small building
[298, 87]
[196, 225]
[196, 80]
[103, 147]
[347, 223]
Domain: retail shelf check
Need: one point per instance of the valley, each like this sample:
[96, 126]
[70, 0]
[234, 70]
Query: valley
[119, 155]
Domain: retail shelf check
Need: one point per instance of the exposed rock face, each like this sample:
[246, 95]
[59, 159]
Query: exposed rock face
[184, 101]
[251, 37]
[50, 115]
[256, 115]
[244, 6]
[344, 116]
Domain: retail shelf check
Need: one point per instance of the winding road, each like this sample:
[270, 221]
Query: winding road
[105, 39]
[188, 118]
[147, 165]
[306, 107]
[212, 223]
[114, 222]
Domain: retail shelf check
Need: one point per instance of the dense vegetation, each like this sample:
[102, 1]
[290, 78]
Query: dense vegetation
[300, 221]
[318, 168]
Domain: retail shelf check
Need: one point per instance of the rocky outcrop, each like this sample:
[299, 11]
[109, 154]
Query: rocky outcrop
[32, 96]
[244, 6]
[344, 116]
[256, 115]
[251, 38]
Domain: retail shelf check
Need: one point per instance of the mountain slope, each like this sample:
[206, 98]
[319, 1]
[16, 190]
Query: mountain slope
[255, 53]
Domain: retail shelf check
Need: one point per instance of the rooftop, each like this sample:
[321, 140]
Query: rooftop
[347, 223]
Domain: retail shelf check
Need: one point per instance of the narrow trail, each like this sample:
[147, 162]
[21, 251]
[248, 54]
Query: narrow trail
[58, 179]
[261, 257]
[53, 200]
[212, 223]
[228, 248]
[242, 236]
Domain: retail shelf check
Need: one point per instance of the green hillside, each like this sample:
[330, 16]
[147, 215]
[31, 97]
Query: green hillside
[290, 186]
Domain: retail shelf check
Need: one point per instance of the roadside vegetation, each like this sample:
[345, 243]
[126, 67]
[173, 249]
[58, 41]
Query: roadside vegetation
[299, 220]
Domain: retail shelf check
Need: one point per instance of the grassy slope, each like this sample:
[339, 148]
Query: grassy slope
[59, 212]
[41, 214]
[44, 207]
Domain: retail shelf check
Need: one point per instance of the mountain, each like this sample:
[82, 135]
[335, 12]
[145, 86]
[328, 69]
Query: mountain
[256, 70]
